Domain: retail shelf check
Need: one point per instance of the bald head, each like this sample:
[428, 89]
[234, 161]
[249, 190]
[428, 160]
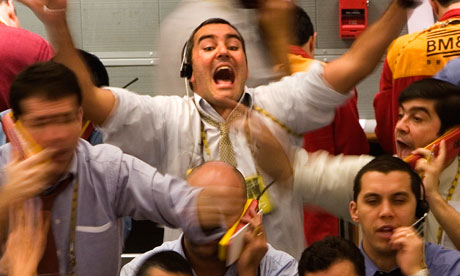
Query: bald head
[220, 174]
[216, 173]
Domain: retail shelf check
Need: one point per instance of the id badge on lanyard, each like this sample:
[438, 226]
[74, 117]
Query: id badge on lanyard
[254, 187]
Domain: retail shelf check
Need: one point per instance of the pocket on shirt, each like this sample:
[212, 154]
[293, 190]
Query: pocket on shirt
[95, 229]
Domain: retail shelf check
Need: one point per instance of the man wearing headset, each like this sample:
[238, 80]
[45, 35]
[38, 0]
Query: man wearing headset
[259, 21]
[174, 134]
[413, 57]
[388, 201]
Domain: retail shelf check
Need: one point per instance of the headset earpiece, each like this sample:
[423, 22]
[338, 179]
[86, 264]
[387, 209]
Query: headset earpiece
[186, 71]
[422, 208]
[185, 67]
[422, 204]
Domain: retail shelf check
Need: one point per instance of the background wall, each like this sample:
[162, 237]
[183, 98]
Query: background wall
[123, 33]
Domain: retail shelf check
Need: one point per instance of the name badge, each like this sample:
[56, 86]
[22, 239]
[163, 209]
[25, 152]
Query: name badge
[254, 187]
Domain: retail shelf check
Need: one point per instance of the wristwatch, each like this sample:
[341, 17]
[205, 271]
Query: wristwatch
[423, 272]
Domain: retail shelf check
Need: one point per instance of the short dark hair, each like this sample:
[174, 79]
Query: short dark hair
[386, 164]
[302, 28]
[97, 70]
[445, 94]
[446, 3]
[50, 80]
[322, 254]
[190, 42]
[169, 261]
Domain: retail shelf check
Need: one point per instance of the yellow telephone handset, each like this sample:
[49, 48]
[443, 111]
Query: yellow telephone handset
[19, 137]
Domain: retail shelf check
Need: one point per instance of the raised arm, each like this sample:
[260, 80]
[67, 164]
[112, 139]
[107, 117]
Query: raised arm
[326, 180]
[97, 103]
[346, 71]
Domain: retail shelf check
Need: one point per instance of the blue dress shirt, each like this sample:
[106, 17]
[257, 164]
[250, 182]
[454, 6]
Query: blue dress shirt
[440, 261]
[274, 263]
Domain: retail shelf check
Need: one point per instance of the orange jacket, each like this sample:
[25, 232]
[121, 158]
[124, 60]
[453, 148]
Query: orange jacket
[410, 58]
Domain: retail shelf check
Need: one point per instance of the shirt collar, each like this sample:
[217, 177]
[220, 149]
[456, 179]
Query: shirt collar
[71, 173]
[297, 50]
[180, 248]
[450, 14]
[230, 270]
[206, 108]
[371, 267]
[73, 165]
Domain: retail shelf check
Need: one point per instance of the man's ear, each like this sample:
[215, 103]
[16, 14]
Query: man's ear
[435, 6]
[80, 114]
[354, 211]
[313, 44]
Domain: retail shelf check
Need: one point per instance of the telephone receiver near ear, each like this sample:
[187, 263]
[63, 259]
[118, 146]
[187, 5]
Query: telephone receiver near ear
[452, 140]
[232, 243]
[20, 139]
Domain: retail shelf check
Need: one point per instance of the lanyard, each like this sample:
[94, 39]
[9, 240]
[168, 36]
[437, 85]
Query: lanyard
[449, 197]
[73, 227]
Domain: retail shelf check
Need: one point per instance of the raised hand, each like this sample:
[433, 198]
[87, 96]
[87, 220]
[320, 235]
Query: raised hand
[48, 11]
[25, 179]
[430, 168]
[409, 246]
[256, 246]
[220, 206]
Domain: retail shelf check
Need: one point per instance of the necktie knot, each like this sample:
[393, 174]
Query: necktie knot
[226, 152]
[223, 127]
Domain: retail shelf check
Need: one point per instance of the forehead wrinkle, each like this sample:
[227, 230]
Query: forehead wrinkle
[203, 37]
[229, 36]
[398, 193]
[60, 114]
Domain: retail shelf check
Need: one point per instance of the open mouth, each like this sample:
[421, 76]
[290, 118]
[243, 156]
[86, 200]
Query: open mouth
[385, 231]
[224, 76]
[404, 149]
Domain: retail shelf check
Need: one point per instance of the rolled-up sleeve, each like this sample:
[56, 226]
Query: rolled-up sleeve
[302, 101]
